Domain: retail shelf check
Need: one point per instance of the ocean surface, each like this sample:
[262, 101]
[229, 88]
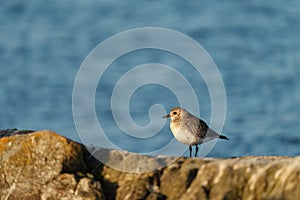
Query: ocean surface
[254, 44]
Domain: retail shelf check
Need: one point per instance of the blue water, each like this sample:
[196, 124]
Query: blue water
[255, 45]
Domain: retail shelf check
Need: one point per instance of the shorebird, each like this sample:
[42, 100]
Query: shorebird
[189, 129]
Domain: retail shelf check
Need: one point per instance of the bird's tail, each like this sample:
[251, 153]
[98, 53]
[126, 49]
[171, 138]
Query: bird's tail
[223, 137]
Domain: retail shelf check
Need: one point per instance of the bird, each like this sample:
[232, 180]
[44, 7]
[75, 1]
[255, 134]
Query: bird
[189, 129]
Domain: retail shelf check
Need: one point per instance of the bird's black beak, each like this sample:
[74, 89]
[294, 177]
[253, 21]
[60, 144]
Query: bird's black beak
[166, 116]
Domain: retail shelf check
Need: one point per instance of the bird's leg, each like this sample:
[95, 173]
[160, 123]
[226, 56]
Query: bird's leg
[190, 148]
[196, 150]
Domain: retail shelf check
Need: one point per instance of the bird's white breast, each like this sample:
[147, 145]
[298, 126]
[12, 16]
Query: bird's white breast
[183, 135]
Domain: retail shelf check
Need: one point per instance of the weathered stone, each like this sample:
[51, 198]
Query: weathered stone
[240, 178]
[66, 186]
[13, 131]
[130, 162]
[29, 162]
[45, 165]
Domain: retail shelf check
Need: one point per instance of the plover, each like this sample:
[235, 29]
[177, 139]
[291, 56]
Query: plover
[189, 129]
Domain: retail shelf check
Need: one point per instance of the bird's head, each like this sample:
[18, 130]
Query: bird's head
[174, 113]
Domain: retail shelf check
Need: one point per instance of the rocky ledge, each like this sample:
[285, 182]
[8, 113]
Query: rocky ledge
[46, 165]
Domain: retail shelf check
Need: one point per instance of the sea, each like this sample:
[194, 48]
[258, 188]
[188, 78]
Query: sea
[249, 87]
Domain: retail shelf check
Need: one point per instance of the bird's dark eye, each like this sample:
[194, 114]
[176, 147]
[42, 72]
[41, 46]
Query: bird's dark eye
[174, 113]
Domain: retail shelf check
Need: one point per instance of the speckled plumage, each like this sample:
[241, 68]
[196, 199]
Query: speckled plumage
[190, 130]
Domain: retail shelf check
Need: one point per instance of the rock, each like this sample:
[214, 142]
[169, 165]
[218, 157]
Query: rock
[34, 163]
[14, 131]
[45, 165]
[67, 186]
[204, 178]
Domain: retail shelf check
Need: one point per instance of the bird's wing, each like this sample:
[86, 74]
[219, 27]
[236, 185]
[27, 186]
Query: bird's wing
[197, 127]
[202, 129]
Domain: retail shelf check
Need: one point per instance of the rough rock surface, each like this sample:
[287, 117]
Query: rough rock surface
[45, 165]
